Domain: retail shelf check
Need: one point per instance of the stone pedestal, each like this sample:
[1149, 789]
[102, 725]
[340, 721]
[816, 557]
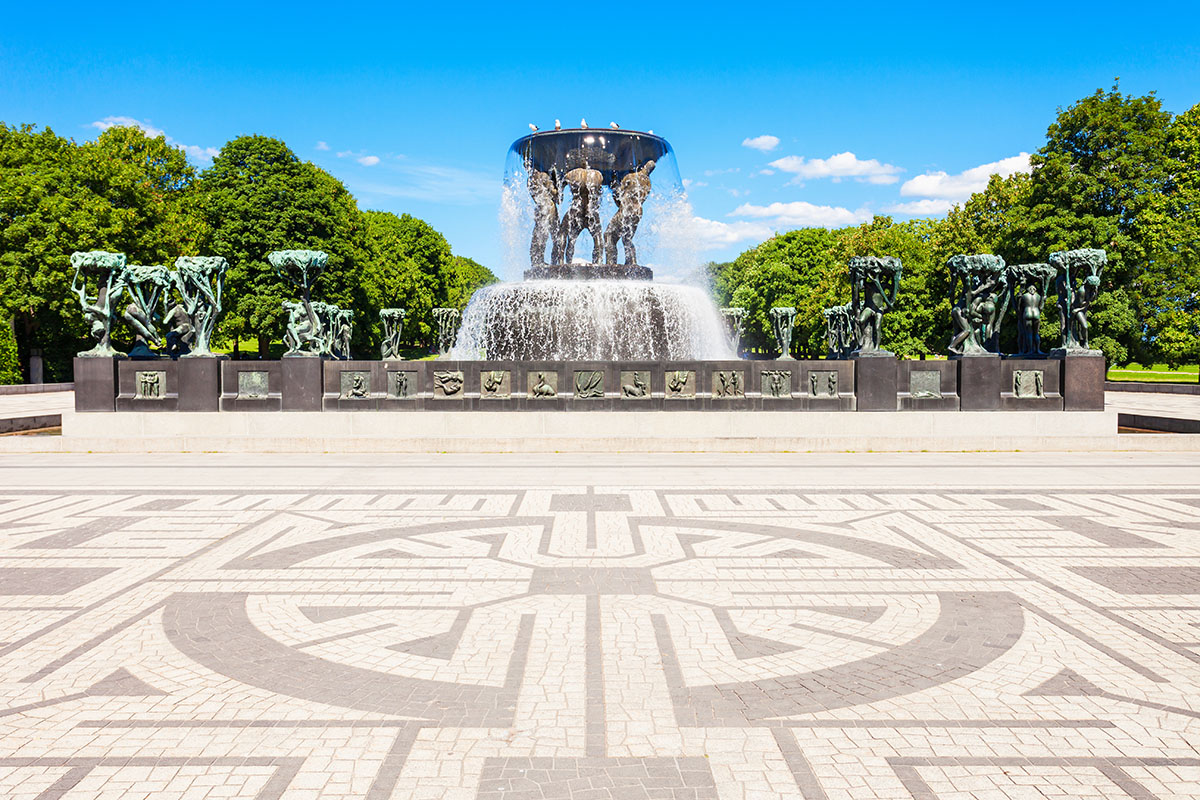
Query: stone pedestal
[979, 383]
[302, 379]
[95, 384]
[1030, 384]
[148, 385]
[251, 385]
[875, 383]
[927, 385]
[1083, 381]
[199, 384]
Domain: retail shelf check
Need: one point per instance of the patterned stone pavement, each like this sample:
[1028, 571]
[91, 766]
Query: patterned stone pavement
[599, 641]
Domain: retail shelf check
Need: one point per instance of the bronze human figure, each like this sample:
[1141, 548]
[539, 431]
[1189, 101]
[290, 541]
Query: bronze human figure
[583, 213]
[981, 302]
[146, 284]
[629, 194]
[546, 191]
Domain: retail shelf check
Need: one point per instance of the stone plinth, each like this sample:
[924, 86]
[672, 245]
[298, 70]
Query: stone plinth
[875, 383]
[199, 383]
[1083, 381]
[148, 385]
[95, 384]
[927, 385]
[251, 386]
[979, 382]
[302, 379]
[1031, 384]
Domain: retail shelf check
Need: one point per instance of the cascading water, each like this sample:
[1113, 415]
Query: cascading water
[584, 303]
[608, 320]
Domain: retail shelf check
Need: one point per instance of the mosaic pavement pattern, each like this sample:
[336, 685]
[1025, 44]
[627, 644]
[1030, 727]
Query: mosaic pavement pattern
[599, 643]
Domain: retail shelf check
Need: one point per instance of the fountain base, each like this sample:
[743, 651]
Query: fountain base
[589, 272]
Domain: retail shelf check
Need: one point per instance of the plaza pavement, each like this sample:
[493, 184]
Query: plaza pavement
[967, 626]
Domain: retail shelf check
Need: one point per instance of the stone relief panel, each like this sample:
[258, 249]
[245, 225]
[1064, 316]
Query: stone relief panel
[448, 384]
[589, 384]
[253, 384]
[925, 384]
[681, 383]
[401, 384]
[1029, 383]
[823, 383]
[776, 383]
[355, 384]
[543, 385]
[728, 384]
[495, 384]
[635, 385]
[151, 384]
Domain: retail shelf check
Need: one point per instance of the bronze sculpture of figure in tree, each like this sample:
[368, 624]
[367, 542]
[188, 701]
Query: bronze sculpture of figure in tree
[305, 333]
[99, 307]
[1030, 286]
[1078, 286]
[199, 281]
[839, 330]
[393, 326]
[980, 304]
[583, 213]
[629, 193]
[870, 300]
[146, 286]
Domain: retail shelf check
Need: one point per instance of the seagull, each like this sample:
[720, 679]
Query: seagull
[557, 125]
[651, 131]
[533, 127]
[614, 126]
[583, 123]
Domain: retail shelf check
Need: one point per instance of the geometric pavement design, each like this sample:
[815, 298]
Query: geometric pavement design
[599, 642]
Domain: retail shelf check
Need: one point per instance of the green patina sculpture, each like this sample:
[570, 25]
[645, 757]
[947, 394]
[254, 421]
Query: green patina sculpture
[1078, 286]
[305, 335]
[874, 286]
[146, 286]
[446, 320]
[99, 306]
[1029, 285]
[980, 304]
[199, 281]
[839, 330]
[735, 326]
[629, 193]
[393, 325]
[782, 319]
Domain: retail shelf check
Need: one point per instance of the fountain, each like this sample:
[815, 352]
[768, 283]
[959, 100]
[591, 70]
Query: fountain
[559, 186]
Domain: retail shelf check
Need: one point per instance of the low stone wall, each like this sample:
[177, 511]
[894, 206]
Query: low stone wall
[1149, 387]
[35, 388]
[991, 383]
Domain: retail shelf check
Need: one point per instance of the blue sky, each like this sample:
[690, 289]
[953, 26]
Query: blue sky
[781, 115]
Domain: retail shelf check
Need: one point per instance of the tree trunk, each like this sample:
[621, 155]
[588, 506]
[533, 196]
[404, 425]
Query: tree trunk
[264, 346]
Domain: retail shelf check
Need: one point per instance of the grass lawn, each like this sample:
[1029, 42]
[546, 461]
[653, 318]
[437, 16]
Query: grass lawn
[1153, 373]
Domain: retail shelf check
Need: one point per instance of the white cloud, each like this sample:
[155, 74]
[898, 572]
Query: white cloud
[838, 166]
[959, 187]
[711, 234]
[195, 152]
[708, 173]
[766, 172]
[322, 145]
[688, 183]
[800, 214]
[924, 207]
[369, 161]
[765, 143]
[128, 122]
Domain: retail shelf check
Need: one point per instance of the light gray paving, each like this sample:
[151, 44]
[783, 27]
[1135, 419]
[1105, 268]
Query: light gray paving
[973, 626]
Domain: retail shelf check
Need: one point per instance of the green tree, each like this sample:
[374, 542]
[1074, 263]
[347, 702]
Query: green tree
[256, 197]
[10, 365]
[798, 269]
[1172, 287]
[467, 275]
[409, 267]
[1097, 182]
